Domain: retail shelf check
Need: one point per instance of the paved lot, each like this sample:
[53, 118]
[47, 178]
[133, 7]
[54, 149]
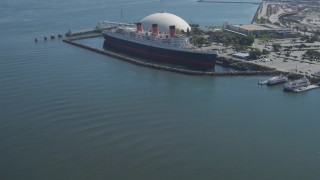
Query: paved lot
[289, 65]
[282, 63]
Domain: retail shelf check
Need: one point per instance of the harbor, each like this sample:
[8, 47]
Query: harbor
[162, 67]
[272, 63]
[275, 62]
[241, 67]
[267, 72]
[72, 113]
[200, 55]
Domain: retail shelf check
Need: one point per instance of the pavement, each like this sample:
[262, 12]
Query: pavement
[263, 12]
[289, 65]
[275, 17]
[294, 63]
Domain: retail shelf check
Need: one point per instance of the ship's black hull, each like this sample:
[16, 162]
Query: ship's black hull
[194, 60]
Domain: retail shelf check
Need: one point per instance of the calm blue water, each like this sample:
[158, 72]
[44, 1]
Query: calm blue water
[68, 113]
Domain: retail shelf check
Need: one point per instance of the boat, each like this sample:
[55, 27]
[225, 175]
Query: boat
[262, 82]
[169, 48]
[300, 83]
[277, 80]
[305, 88]
[316, 74]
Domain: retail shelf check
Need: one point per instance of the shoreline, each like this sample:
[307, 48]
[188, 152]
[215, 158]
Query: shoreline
[228, 2]
[257, 13]
[287, 64]
[241, 67]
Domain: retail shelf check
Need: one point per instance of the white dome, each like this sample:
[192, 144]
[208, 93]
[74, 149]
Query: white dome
[164, 20]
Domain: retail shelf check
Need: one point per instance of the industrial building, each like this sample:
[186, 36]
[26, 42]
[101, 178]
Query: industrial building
[257, 29]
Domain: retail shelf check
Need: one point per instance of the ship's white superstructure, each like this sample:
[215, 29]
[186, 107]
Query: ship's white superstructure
[277, 80]
[303, 82]
[160, 40]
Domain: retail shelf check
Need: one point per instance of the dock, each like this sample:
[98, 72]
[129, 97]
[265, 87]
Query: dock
[83, 32]
[102, 25]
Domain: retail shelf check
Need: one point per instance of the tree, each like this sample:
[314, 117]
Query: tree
[195, 29]
[302, 46]
[305, 29]
[304, 37]
[312, 54]
[239, 47]
[277, 23]
[255, 53]
[188, 32]
[287, 54]
[276, 47]
[198, 40]
[265, 52]
[313, 39]
[246, 40]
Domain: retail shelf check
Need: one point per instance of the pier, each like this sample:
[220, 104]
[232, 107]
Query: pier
[46, 37]
[83, 32]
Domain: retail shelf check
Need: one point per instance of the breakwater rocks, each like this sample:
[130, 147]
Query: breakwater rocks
[256, 15]
[243, 67]
[251, 67]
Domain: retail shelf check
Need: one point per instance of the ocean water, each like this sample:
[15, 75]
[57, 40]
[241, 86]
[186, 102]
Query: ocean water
[68, 113]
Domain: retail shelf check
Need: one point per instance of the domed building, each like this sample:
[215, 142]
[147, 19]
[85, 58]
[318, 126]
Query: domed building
[164, 20]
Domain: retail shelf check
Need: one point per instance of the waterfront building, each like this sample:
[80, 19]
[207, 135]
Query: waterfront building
[241, 55]
[163, 21]
[257, 29]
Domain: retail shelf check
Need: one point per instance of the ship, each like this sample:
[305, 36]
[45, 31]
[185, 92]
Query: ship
[277, 80]
[169, 48]
[291, 86]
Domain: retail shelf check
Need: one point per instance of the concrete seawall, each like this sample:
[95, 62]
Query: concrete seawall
[167, 68]
[79, 37]
[255, 17]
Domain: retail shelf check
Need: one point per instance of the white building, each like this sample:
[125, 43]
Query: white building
[257, 29]
[164, 20]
